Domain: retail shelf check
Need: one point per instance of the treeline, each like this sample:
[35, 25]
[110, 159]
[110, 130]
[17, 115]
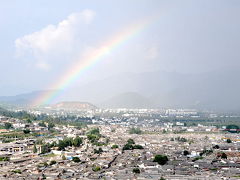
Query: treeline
[64, 120]
[61, 145]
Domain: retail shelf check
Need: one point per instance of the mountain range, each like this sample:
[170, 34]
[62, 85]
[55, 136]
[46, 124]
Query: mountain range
[216, 90]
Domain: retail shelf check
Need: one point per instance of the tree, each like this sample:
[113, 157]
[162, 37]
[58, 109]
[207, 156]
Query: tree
[216, 146]
[137, 146]
[185, 153]
[114, 146]
[128, 147]
[42, 124]
[45, 149]
[7, 125]
[229, 141]
[224, 156]
[64, 157]
[76, 159]
[160, 159]
[61, 145]
[136, 170]
[130, 141]
[131, 145]
[29, 121]
[96, 168]
[77, 141]
[34, 149]
[50, 125]
[135, 131]
[232, 128]
[98, 151]
[26, 131]
[52, 162]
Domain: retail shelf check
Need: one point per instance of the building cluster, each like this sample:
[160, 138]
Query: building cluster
[199, 152]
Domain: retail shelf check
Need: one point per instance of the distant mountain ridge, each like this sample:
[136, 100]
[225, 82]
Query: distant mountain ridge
[217, 90]
[73, 105]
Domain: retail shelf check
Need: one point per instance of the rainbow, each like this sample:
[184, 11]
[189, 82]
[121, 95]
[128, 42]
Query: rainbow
[86, 62]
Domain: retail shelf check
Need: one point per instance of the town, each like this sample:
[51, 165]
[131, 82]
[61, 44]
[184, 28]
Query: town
[118, 144]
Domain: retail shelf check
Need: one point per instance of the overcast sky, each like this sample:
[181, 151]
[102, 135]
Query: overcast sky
[40, 39]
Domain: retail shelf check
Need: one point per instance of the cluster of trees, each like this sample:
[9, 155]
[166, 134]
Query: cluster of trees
[135, 131]
[131, 145]
[136, 170]
[17, 114]
[232, 128]
[229, 141]
[96, 168]
[160, 159]
[4, 158]
[8, 125]
[98, 151]
[61, 145]
[206, 152]
[181, 139]
[49, 125]
[76, 142]
[94, 135]
[76, 159]
[115, 146]
[64, 120]
[185, 153]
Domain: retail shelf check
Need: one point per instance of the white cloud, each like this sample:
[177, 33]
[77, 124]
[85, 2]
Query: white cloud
[53, 39]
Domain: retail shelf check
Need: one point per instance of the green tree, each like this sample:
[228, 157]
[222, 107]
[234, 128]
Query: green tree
[77, 141]
[7, 125]
[50, 125]
[26, 131]
[42, 124]
[34, 149]
[45, 149]
[137, 146]
[135, 131]
[130, 141]
[128, 147]
[61, 145]
[114, 146]
[98, 151]
[28, 121]
[232, 128]
[229, 141]
[136, 170]
[160, 159]
[96, 168]
[76, 159]
[64, 157]
[52, 162]
[185, 153]
[224, 156]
